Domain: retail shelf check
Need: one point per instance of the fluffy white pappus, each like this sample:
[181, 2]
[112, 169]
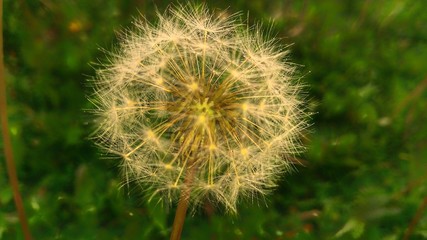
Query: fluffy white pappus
[199, 100]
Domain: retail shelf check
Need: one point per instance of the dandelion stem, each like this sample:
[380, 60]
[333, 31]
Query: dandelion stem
[181, 212]
[7, 145]
[181, 209]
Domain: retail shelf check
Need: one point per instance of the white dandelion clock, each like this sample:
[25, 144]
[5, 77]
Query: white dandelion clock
[199, 106]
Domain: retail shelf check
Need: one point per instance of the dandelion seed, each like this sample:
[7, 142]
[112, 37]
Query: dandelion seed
[202, 97]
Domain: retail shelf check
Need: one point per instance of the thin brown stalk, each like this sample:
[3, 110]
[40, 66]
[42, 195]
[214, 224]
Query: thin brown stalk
[7, 145]
[414, 95]
[181, 212]
[415, 219]
[181, 209]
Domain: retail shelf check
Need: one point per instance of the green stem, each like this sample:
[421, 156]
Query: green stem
[10, 164]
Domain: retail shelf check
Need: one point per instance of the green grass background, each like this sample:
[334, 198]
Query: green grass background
[364, 174]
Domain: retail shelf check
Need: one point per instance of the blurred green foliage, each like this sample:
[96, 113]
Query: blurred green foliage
[364, 172]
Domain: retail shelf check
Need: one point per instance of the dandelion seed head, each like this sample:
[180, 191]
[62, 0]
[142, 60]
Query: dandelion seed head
[199, 90]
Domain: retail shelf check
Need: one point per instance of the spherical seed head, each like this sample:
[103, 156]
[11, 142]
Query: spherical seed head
[199, 100]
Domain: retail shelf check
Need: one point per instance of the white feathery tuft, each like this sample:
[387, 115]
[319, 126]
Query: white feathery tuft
[200, 90]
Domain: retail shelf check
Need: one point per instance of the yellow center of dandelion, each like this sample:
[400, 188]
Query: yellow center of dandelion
[205, 107]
